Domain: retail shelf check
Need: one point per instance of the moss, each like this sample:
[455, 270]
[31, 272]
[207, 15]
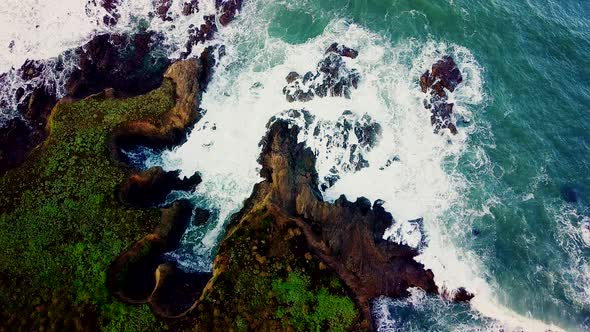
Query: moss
[61, 224]
[268, 283]
[308, 310]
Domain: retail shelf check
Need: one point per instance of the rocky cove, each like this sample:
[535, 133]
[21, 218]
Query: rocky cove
[89, 230]
[284, 235]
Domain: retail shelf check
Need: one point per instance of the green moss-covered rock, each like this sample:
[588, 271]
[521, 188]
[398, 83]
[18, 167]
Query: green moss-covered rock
[62, 224]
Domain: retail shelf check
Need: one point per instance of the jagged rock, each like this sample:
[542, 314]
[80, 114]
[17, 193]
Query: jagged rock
[332, 78]
[345, 236]
[201, 34]
[462, 295]
[171, 130]
[117, 61]
[445, 76]
[190, 7]
[345, 143]
[228, 10]
[113, 15]
[343, 51]
[162, 7]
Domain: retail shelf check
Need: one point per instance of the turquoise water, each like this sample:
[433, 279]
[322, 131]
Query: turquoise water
[504, 202]
[534, 128]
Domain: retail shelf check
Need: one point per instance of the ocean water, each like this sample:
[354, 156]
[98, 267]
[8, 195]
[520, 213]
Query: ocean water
[505, 203]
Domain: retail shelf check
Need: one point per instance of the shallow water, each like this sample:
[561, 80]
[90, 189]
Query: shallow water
[505, 203]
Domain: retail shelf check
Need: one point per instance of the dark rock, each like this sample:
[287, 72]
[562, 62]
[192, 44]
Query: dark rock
[208, 63]
[227, 10]
[162, 7]
[201, 217]
[117, 61]
[447, 72]
[462, 295]
[332, 78]
[292, 77]
[201, 34]
[113, 15]
[190, 7]
[150, 188]
[444, 76]
[343, 51]
[571, 194]
[31, 69]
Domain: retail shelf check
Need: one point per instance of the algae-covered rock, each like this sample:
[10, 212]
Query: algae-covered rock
[62, 223]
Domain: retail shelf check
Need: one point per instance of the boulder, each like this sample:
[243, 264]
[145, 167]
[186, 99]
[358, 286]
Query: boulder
[227, 10]
[444, 76]
[332, 78]
[342, 51]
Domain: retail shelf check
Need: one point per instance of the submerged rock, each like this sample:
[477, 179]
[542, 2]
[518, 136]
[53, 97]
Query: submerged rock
[228, 9]
[332, 78]
[444, 76]
[343, 144]
[343, 51]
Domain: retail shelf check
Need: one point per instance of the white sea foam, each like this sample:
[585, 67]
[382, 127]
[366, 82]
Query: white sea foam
[246, 92]
[45, 30]
[33, 29]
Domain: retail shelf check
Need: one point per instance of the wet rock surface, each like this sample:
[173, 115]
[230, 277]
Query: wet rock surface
[332, 77]
[444, 76]
[343, 144]
[347, 236]
[227, 9]
[130, 64]
[118, 62]
[342, 51]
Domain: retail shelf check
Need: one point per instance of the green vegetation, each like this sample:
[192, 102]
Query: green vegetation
[306, 310]
[61, 224]
[266, 283]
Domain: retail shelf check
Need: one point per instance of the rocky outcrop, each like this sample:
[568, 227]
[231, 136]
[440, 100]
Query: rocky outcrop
[107, 61]
[227, 9]
[130, 64]
[346, 236]
[342, 51]
[332, 77]
[444, 76]
[289, 227]
[118, 62]
[344, 143]
[140, 274]
[171, 129]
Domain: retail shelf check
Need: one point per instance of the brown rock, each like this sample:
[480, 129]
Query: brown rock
[343, 51]
[444, 76]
